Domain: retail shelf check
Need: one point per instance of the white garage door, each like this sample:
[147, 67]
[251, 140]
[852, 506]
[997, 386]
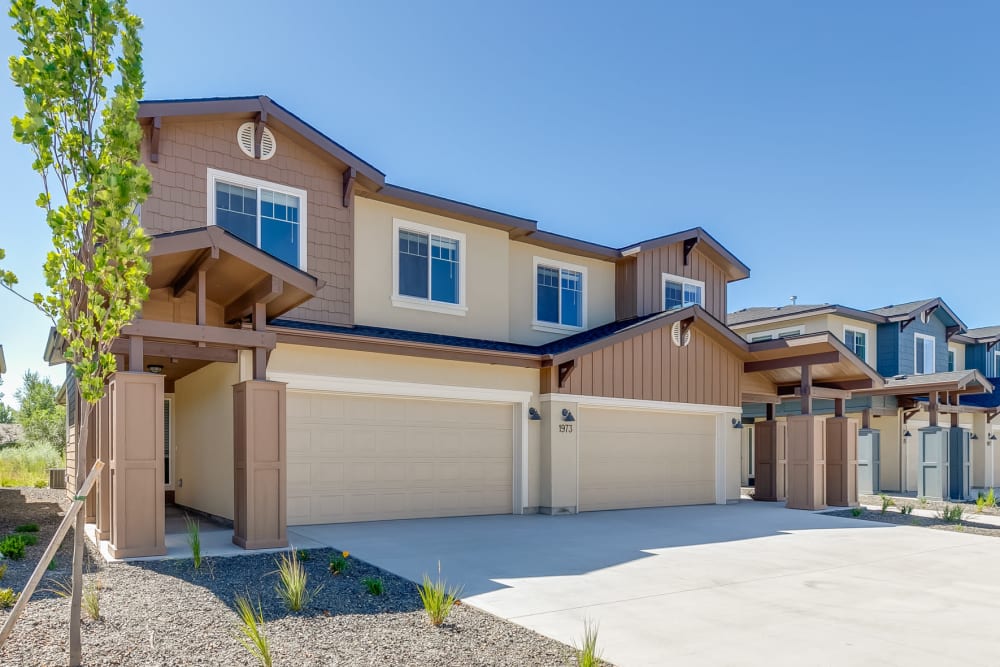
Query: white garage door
[632, 458]
[366, 458]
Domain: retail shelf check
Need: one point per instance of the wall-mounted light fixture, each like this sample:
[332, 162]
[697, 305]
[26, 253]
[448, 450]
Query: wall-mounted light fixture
[737, 423]
[533, 415]
[568, 416]
[907, 434]
[155, 368]
[993, 436]
[973, 437]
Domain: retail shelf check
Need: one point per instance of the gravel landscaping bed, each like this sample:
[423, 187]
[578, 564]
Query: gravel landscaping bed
[927, 504]
[167, 613]
[893, 515]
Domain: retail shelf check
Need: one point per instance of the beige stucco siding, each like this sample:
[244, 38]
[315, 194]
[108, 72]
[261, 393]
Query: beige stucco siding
[959, 351]
[484, 259]
[835, 324]
[203, 439]
[599, 286]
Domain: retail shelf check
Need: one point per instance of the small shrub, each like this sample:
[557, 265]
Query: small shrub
[194, 539]
[303, 555]
[374, 585]
[438, 598]
[27, 539]
[8, 598]
[60, 588]
[984, 501]
[857, 511]
[922, 501]
[951, 513]
[92, 599]
[293, 582]
[251, 629]
[3, 570]
[887, 502]
[587, 654]
[338, 562]
[27, 528]
[12, 547]
[906, 509]
[52, 564]
[41, 483]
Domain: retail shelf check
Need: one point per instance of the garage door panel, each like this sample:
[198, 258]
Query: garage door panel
[363, 458]
[632, 458]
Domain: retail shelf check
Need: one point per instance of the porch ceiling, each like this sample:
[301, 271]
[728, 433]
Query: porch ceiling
[237, 275]
[833, 365]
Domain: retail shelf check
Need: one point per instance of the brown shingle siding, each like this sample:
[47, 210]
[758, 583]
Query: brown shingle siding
[179, 199]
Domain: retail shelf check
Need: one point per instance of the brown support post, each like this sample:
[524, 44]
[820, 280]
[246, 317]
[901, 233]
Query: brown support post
[806, 390]
[135, 354]
[90, 506]
[259, 446]
[933, 408]
[866, 419]
[841, 461]
[770, 445]
[769, 411]
[201, 297]
[137, 499]
[806, 467]
[103, 427]
[259, 316]
[839, 406]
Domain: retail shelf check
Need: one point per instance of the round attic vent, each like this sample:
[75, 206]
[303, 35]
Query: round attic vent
[244, 137]
[675, 334]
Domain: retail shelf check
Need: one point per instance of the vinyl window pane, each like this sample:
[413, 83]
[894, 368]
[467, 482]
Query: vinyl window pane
[236, 210]
[692, 295]
[572, 298]
[279, 228]
[413, 276]
[673, 295]
[444, 269]
[547, 290]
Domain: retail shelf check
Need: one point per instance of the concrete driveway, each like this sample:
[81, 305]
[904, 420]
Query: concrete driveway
[746, 584]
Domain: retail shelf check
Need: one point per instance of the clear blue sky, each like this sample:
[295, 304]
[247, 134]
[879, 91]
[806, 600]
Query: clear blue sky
[848, 152]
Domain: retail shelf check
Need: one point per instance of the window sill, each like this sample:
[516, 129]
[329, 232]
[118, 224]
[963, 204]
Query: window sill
[552, 327]
[430, 306]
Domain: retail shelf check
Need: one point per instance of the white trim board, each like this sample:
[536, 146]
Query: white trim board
[637, 404]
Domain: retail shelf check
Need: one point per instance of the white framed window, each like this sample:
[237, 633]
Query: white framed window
[559, 296]
[169, 462]
[266, 215]
[923, 354]
[858, 341]
[790, 332]
[680, 292]
[996, 363]
[951, 360]
[428, 268]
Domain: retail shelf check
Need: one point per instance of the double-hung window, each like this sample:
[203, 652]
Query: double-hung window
[857, 342]
[996, 363]
[560, 295]
[680, 292]
[429, 268]
[266, 215]
[923, 354]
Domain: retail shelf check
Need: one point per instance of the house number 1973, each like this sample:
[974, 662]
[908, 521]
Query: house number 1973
[565, 428]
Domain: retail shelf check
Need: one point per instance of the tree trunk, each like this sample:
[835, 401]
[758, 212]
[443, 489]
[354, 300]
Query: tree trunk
[79, 547]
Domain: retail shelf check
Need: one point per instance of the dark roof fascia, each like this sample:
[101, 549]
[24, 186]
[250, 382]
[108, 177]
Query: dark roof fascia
[512, 224]
[248, 105]
[737, 269]
[834, 309]
[571, 245]
[927, 305]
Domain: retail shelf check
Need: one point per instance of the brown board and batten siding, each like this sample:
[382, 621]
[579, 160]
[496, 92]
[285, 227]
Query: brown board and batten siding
[189, 146]
[650, 367]
[626, 290]
[652, 264]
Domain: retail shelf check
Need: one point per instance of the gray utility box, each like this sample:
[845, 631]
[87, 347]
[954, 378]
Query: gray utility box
[869, 454]
[959, 464]
[933, 449]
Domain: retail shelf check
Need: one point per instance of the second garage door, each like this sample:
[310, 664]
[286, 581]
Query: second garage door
[633, 458]
[365, 458]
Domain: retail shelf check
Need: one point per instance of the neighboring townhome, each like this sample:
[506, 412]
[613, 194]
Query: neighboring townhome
[920, 350]
[321, 346]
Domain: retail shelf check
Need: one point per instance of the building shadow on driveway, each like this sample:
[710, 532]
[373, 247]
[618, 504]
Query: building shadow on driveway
[481, 552]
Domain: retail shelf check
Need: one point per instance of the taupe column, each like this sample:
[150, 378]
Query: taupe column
[90, 505]
[259, 457]
[102, 424]
[770, 450]
[841, 462]
[806, 468]
[137, 513]
[559, 459]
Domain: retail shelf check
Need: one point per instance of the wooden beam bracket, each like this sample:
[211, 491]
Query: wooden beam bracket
[258, 132]
[906, 323]
[689, 245]
[565, 370]
[154, 140]
[804, 360]
[350, 177]
[265, 291]
[188, 277]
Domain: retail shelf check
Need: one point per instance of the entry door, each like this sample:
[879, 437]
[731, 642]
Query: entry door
[168, 442]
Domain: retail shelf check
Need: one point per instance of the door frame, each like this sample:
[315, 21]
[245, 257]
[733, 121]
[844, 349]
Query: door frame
[170, 448]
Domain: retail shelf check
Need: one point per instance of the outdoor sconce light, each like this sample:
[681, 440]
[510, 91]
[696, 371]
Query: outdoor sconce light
[568, 416]
[906, 434]
[533, 415]
[737, 423]
[155, 368]
[973, 437]
[993, 436]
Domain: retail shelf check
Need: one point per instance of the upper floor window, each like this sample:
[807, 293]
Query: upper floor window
[778, 333]
[266, 215]
[857, 342]
[996, 363]
[560, 296]
[679, 292]
[429, 268]
[951, 360]
[923, 354]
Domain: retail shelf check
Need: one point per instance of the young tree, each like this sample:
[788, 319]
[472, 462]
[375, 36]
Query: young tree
[41, 417]
[80, 70]
[7, 414]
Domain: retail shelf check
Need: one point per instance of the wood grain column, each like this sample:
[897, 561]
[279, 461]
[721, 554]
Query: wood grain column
[806, 468]
[137, 513]
[102, 425]
[770, 444]
[259, 457]
[842, 462]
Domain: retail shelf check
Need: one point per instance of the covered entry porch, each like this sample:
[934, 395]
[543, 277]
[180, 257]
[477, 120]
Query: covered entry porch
[189, 417]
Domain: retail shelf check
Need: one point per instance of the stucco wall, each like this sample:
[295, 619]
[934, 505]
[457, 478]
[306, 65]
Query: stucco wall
[203, 439]
[809, 324]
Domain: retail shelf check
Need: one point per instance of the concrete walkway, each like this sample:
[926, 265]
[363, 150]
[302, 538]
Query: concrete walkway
[743, 584]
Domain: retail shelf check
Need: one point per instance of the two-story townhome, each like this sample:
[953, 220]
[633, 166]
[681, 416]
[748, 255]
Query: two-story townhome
[322, 346]
[920, 349]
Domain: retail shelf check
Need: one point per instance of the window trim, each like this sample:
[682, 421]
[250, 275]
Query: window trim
[868, 338]
[775, 333]
[664, 277]
[555, 327]
[996, 362]
[428, 304]
[917, 336]
[215, 175]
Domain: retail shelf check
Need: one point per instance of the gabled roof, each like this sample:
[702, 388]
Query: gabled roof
[913, 309]
[955, 381]
[735, 269]
[762, 314]
[983, 334]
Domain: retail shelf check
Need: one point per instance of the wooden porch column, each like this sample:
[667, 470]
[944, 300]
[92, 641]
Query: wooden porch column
[102, 426]
[841, 461]
[90, 449]
[259, 458]
[137, 512]
[770, 450]
[932, 408]
[806, 467]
